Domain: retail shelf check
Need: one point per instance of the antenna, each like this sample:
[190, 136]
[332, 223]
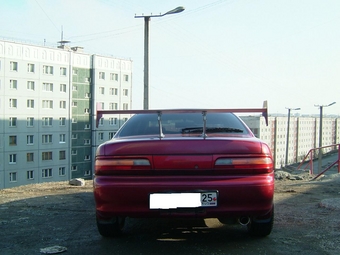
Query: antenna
[62, 41]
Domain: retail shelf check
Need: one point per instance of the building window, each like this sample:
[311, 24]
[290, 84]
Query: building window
[87, 173]
[87, 126]
[101, 121]
[111, 134]
[46, 139]
[12, 121]
[102, 75]
[62, 155]
[13, 177]
[13, 84]
[87, 95]
[63, 88]
[75, 72]
[46, 173]
[47, 121]
[74, 120]
[62, 138]
[63, 71]
[30, 85]
[113, 106]
[101, 136]
[48, 69]
[126, 77]
[125, 106]
[12, 158]
[74, 168]
[30, 157]
[14, 66]
[87, 111]
[47, 104]
[48, 87]
[112, 121]
[62, 171]
[62, 121]
[87, 141]
[74, 88]
[12, 140]
[101, 90]
[30, 103]
[74, 152]
[30, 68]
[62, 104]
[100, 105]
[113, 91]
[125, 92]
[30, 175]
[87, 157]
[74, 104]
[74, 136]
[12, 103]
[30, 139]
[113, 77]
[30, 122]
[47, 155]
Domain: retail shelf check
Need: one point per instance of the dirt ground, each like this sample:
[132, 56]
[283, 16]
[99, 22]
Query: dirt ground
[307, 221]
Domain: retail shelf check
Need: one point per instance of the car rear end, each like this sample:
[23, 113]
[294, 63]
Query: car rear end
[218, 176]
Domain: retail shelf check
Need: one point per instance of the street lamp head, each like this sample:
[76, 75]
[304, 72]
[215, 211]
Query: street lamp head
[176, 10]
[321, 106]
[294, 109]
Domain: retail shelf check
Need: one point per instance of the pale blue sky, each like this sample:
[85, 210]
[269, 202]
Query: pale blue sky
[215, 54]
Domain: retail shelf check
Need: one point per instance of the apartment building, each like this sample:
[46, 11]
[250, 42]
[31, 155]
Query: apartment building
[48, 99]
[303, 135]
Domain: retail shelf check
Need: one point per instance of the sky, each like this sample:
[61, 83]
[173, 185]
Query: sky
[214, 54]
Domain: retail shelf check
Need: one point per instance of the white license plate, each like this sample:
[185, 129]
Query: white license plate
[183, 200]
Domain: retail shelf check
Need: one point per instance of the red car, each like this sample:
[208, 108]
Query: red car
[184, 163]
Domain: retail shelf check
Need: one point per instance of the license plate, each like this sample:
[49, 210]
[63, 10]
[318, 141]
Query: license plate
[183, 200]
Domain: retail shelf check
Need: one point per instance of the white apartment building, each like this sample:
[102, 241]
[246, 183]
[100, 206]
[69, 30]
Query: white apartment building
[303, 135]
[48, 99]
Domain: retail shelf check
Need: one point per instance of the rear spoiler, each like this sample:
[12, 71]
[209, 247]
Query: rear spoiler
[263, 110]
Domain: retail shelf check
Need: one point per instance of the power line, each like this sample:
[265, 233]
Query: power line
[47, 15]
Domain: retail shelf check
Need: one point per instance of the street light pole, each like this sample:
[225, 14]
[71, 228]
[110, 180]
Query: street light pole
[146, 63]
[146, 51]
[287, 138]
[320, 135]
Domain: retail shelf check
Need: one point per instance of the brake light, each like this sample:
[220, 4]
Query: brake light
[105, 166]
[246, 165]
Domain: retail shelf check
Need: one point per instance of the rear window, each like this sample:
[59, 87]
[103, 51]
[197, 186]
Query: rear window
[147, 124]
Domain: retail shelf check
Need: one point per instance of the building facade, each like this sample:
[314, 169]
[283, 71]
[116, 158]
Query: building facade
[303, 135]
[48, 100]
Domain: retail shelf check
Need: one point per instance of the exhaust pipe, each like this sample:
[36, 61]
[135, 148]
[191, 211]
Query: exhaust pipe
[244, 220]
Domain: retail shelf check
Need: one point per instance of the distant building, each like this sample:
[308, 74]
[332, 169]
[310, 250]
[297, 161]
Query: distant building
[303, 135]
[48, 99]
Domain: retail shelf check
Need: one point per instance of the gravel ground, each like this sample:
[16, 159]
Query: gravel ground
[43, 215]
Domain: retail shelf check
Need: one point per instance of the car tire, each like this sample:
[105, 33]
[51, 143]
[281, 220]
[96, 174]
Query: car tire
[261, 227]
[113, 228]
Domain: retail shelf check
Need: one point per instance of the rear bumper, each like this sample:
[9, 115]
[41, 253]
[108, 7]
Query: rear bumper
[250, 196]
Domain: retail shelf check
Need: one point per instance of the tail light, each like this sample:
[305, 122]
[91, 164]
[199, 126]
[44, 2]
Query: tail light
[249, 164]
[246, 165]
[107, 166]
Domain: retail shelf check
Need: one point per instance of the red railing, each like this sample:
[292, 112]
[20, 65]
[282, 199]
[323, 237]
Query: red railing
[311, 154]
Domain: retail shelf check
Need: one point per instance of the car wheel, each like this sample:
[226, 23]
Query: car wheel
[111, 228]
[261, 227]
